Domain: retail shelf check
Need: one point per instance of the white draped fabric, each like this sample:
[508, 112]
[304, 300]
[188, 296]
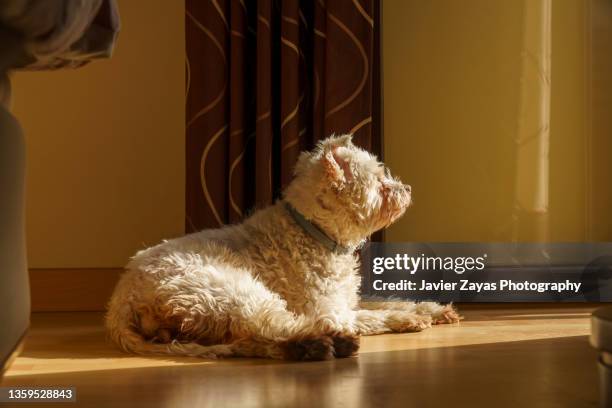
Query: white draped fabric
[50, 34]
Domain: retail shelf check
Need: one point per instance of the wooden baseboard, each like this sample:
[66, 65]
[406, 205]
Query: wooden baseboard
[72, 290]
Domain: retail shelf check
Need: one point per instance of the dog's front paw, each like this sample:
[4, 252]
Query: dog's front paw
[403, 322]
[309, 349]
[345, 345]
[447, 315]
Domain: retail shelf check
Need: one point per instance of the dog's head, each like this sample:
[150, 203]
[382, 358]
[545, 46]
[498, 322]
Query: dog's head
[346, 190]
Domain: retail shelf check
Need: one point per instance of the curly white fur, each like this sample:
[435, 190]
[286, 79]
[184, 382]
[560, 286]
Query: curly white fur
[266, 288]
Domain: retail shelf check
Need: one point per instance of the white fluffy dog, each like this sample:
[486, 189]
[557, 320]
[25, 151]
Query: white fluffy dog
[284, 283]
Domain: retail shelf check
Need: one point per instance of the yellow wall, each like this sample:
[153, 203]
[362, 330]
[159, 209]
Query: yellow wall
[106, 145]
[452, 93]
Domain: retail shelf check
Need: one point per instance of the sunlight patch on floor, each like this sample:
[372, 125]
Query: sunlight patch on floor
[481, 332]
[28, 365]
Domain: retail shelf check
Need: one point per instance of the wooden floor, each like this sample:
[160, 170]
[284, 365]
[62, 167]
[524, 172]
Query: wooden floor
[497, 357]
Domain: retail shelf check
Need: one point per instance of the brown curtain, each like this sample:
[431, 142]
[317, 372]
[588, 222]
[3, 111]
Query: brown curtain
[265, 80]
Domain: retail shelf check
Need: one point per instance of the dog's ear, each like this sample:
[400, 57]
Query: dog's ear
[302, 163]
[337, 167]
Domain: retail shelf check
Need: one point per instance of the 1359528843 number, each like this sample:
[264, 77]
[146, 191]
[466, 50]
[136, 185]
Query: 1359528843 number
[8, 394]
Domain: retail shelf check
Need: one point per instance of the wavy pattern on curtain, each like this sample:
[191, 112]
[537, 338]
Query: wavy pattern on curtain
[265, 80]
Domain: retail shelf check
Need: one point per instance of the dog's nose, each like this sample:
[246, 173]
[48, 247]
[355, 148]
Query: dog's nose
[408, 188]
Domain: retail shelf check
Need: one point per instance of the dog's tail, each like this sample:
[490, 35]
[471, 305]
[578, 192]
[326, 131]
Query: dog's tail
[124, 328]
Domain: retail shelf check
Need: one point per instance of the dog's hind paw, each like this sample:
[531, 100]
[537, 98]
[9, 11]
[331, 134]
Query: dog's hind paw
[309, 349]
